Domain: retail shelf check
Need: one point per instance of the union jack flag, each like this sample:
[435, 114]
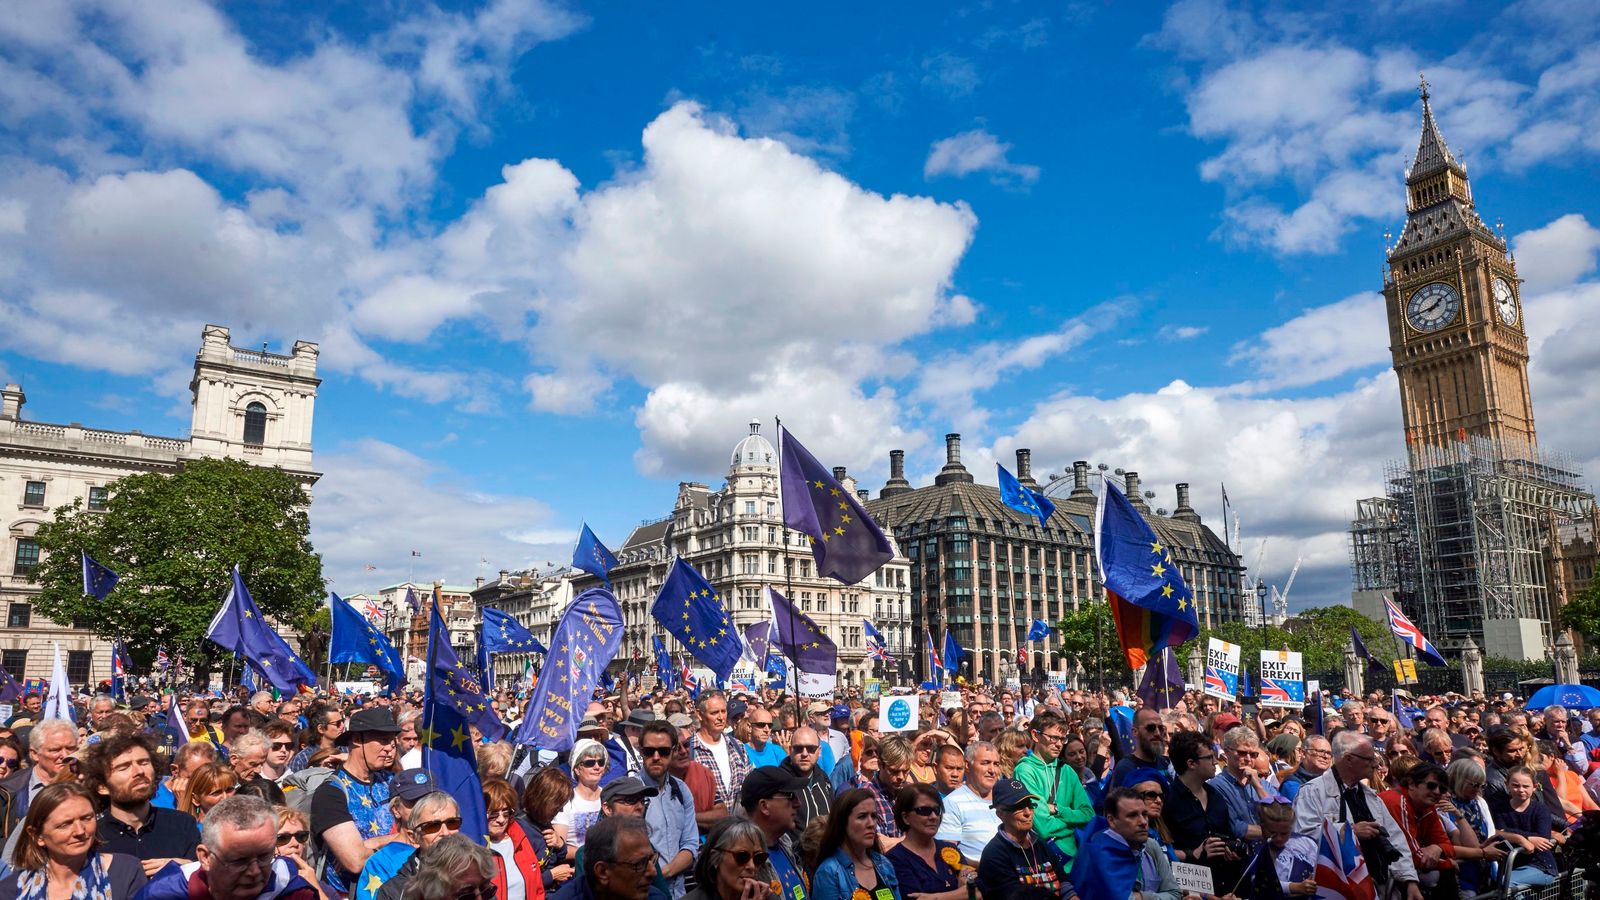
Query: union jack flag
[876, 647]
[1341, 872]
[162, 662]
[691, 683]
[1405, 630]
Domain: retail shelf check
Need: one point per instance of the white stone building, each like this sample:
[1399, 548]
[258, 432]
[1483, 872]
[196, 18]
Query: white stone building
[247, 404]
[533, 598]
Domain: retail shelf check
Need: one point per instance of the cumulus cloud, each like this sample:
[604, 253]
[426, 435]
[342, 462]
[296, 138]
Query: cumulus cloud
[977, 151]
[1320, 343]
[1557, 254]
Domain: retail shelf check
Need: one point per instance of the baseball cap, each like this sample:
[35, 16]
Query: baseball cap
[1224, 721]
[412, 785]
[839, 711]
[1009, 792]
[626, 787]
[376, 720]
[737, 709]
[766, 781]
[817, 707]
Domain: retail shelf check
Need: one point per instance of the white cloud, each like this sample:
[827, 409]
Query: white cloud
[1557, 254]
[1321, 343]
[954, 76]
[1182, 332]
[977, 151]
[453, 522]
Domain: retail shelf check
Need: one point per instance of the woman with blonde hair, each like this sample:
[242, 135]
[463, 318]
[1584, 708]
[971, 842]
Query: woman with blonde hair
[1012, 745]
[208, 785]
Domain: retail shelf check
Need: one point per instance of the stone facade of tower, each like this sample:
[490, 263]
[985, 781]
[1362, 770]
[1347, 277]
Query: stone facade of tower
[247, 404]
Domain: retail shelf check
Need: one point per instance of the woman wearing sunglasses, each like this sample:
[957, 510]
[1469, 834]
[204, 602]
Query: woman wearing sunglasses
[925, 866]
[294, 835]
[433, 818]
[589, 761]
[517, 875]
[733, 864]
[848, 865]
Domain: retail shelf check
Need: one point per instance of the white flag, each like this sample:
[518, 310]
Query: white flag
[59, 704]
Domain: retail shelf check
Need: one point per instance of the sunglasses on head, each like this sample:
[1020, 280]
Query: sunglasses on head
[453, 823]
[743, 857]
[284, 837]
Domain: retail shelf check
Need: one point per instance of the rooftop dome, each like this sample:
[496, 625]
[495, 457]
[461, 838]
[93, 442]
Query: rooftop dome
[754, 450]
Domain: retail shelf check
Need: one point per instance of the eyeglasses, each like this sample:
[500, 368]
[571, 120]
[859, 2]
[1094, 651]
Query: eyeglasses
[286, 837]
[1152, 795]
[451, 824]
[802, 748]
[281, 745]
[1052, 738]
[1026, 804]
[243, 865]
[9, 762]
[743, 857]
[639, 866]
[760, 724]
[649, 752]
[1155, 726]
[500, 814]
[927, 810]
[481, 892]
[1433, 786]
[592, 764]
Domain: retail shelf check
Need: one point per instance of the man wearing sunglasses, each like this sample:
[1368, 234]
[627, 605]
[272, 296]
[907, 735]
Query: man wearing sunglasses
[815, 797]
[769, 797]
[1414, 805]
[1149, 747]
[673, 832]
[350, 811]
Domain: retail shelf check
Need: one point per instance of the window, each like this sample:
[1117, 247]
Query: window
[27, 556]
[749, 507]
[20, 616]
[15, 661]
[772, 564]
[33, 494]
[255, 424]
[97, 498]
[772, 508]
[79, 665]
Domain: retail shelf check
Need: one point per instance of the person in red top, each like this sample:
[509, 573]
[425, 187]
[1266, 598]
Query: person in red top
[1414, 803]
[517, 875]
[708, 810]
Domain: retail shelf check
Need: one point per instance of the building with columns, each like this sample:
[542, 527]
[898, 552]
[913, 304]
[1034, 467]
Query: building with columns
[534, 599]
[247, 404]
[985, 570]
[735, 537]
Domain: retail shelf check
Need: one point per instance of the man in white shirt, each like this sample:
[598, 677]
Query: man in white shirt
[969, 819]
[710, 747]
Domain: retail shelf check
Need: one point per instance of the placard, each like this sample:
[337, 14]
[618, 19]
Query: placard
[949, 699]
[1282, 679]
[1193, 879]
[1222, 670]
[6, 712]
[1405, 671]
[872, 689]
[898, 714]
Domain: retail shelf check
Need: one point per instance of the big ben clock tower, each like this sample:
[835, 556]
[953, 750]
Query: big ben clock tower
[1455, 312]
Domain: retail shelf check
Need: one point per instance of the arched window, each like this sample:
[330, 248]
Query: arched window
[255, 424]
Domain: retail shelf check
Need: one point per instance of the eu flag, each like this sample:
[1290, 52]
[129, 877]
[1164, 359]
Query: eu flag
[847, 545]
[665, 670]
[585, 641]
[356, 640]
[592, 556]
[97, 579]
[1373, 662]
[449, 753]
[1024, 499]
[801, 640]
[1038, 631]
[10, 688]
[463, 688]
[239, 628]
[503, 634]
[1151, 605]
[1162, 685]
[539, 648]
[691, 612]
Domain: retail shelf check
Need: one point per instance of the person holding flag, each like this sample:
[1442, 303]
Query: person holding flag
[1337, 806]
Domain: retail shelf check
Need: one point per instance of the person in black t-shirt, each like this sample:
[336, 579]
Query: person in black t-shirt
[350, 812]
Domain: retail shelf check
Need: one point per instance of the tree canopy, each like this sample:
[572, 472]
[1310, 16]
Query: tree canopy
[1582, 614]
[174, 540]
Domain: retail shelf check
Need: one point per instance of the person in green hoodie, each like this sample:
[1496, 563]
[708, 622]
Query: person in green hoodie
[1066, 806]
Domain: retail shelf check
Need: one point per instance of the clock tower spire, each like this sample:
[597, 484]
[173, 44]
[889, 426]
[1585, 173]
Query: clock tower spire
[1455, 316]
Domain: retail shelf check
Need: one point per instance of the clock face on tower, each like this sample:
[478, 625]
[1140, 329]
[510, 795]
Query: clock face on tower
[1433, 307]
[1505, 302]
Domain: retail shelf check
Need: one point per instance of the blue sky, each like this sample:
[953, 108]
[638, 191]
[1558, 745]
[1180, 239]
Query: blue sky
[557, 256]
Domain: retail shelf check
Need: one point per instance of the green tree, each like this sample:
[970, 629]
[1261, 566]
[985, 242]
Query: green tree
[1582, 614]
[1318, 634]
[1089, 635]
[174, 540]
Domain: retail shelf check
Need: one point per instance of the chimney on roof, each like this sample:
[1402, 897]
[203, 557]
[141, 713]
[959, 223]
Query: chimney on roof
[11, 400]
[897, 483]
[477, 582]
[1131, 484]
[863, 495]
[838, 474]
[1025, 468]
[953, 471]
[1080, 481]
[844, 479]
[1184, 511]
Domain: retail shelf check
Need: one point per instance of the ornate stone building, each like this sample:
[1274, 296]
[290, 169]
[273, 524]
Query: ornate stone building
[247, 404]
[533, 598]
[985, 570]
[735, 537]
[1465, 534]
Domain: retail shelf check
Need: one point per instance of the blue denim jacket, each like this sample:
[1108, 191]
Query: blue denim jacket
[836, 877]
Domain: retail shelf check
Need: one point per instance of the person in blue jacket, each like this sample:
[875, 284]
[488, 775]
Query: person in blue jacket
[848, 863]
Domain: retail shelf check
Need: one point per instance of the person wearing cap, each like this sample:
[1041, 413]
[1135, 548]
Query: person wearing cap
[816, 797]
[350, 812]
[715, 750]
[673, 831]
[1064, 805]
[1018, 857]
[434, 818]
[769, 798]
[702, 784]
[405, 790]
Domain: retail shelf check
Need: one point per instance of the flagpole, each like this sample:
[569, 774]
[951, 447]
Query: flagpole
[788, 583]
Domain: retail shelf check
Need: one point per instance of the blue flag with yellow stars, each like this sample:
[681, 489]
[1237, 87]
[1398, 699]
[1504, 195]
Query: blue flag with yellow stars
[97, 579]
[449, 753]
[585, 641]
[692, 613]
[847, 545]
[356, 640]
[1024, 499]
[592, 556]
[1151, 605]
[665, 670]
[461, 685]
[801, 640]
[503, 634]
[239, 628]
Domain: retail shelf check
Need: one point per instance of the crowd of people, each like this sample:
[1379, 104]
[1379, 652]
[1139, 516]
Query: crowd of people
[1025, 794]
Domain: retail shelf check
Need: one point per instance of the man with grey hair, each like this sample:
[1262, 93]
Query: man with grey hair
[1338, 795]
[100, 707]
[262, 702]
[617, 862]
[711, 748]
[238, 860]
[50, 744]
[1315, 758]
[969, 818]
[247, 753]
[1239, 783]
